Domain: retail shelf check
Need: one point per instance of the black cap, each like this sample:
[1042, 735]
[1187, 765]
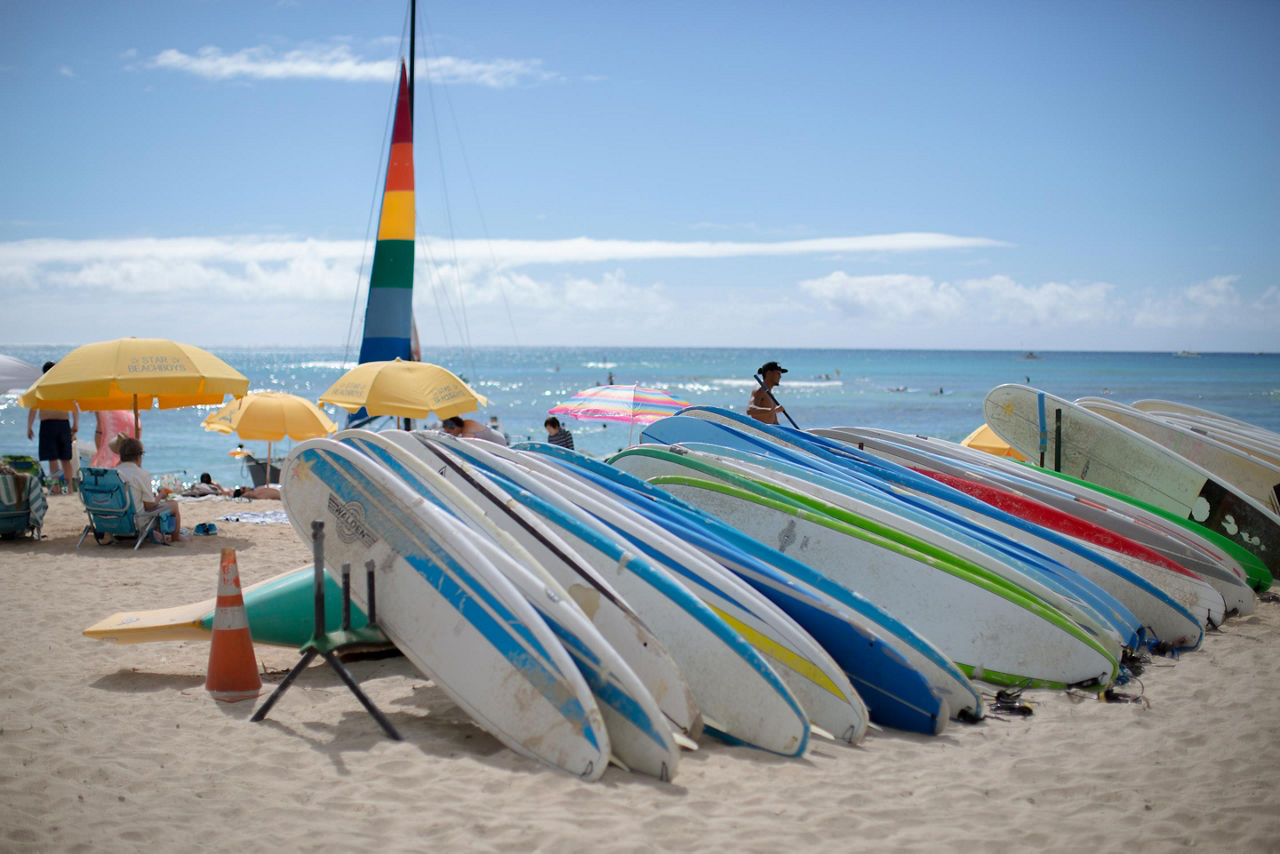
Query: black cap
[772, 366]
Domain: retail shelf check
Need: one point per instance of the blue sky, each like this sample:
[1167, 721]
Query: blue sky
[962, 175]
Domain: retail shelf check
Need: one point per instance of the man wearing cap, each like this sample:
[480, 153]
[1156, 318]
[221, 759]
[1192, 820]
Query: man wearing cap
[762, 406]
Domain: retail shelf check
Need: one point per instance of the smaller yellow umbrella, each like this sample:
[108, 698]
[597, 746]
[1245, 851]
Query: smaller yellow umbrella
[269, 416]
[985, 439]
[403, 389]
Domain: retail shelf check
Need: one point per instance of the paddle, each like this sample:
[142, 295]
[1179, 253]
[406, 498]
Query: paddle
[775, 401]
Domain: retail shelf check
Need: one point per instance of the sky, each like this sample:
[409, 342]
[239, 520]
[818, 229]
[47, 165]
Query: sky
[981, 175]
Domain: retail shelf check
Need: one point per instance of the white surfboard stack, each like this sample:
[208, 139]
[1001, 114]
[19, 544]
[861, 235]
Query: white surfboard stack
[770, 586]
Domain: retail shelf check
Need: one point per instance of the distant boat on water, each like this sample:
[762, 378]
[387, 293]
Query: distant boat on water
[1029, 355]
[1187, 354]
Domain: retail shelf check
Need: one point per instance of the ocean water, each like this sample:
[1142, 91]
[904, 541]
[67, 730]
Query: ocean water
[930, 392]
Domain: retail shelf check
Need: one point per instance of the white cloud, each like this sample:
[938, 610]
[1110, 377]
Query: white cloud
[897, 298]
[337, 62]
[893, 298]
[586, 249]
[1216, 292]
[229, 268]
[19, 258]
[585, 291]
[968, 303]
[1213, 302]
[539, 282]
[1051, 303]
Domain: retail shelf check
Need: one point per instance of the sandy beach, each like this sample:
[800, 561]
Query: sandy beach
[107, 747]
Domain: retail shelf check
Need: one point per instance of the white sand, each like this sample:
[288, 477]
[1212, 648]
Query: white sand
[106, 747]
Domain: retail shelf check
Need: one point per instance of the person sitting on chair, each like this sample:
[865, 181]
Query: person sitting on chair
[556, 434]
[138, 481]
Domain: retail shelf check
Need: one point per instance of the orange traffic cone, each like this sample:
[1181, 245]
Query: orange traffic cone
[233, 670]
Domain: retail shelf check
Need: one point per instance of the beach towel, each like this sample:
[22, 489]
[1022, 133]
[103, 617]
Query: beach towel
[23, 496]
[270, 517]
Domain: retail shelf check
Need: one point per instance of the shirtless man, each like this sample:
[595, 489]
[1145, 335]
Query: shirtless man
[762, 406]
[469, 429]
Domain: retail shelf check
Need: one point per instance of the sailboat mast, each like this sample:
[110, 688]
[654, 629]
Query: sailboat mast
[413, 43]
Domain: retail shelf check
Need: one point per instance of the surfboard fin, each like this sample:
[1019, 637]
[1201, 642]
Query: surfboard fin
[817, 730]
[683, 741]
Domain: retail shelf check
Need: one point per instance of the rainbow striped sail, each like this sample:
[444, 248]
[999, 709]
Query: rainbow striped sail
[388, 316]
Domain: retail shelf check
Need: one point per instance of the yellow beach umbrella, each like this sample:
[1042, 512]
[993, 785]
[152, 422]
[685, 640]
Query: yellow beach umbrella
[403, 389]
[270, 416]
[135, 373]
[985, 439]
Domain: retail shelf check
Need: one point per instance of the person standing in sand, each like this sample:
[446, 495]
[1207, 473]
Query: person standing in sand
[58, 430]
[762, 406]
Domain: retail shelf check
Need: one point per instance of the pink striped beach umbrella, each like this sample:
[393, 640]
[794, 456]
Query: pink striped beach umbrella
[633, 404]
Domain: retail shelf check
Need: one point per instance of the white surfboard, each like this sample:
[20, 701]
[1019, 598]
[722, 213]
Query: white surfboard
[1167, 619]
[525, 534]
[917, 527]
[1255, 443]
[1085, 502]
[638, 732]
[809, 671]
[1254, 477]
[998, 636]
[1098, 450]
[448, 609]
[736, 690]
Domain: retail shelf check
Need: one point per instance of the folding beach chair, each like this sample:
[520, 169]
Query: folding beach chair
[24, 464]
[110, 507]
[22, 506]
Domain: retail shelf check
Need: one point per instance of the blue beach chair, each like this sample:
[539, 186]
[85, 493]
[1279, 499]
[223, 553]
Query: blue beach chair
[22, 506]
[110, 508]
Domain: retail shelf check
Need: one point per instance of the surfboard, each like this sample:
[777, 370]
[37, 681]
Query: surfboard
[833, 706]
[949, 535]
[737, 692]
[1206, 415]
[1224, 574]
[638, 733]
[1255, 571]
[486, 508]
[1254, 477]
[280, 610]
[448, 609]
[1254, 442]
[1098, 450]
[876, 561]
[900, 676]
[990, 632]
[1018, 538]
